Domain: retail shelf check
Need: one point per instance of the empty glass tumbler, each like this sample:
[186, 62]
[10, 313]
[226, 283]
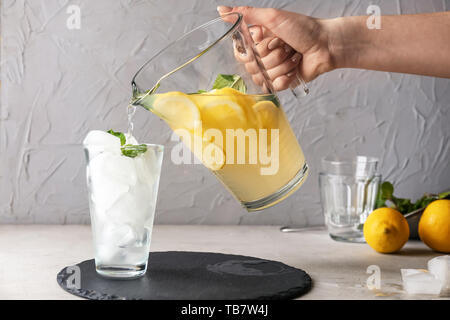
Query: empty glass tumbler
[348, 190]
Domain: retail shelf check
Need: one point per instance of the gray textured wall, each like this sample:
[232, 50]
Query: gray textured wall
[57, 84]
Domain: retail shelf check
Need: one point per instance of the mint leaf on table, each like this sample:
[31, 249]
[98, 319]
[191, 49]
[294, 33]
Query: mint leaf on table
[380, 202]
[386, 193]
[132, 151]
[403, 205]
[119, 135]
[444, 195]
[230, 81]
[387, 190]
[424, 201]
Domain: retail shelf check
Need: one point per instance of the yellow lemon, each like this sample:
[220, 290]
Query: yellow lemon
[177, 109]
[267, 114]
[434, 226]
[386, 230]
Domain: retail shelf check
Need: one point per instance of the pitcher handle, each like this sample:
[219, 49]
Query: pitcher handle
[299, 88]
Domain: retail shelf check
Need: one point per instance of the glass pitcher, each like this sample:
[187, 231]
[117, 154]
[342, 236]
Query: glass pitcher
[231, 120]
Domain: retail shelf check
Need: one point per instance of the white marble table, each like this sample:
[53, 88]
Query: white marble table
[32, 255]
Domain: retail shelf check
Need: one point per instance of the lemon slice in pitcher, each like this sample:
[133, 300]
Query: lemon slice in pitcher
[267, 114]
[213, 156]
[222, 113]
[236, 96]
[178, 110]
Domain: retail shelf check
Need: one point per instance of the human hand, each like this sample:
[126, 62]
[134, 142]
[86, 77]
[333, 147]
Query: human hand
[288, 43]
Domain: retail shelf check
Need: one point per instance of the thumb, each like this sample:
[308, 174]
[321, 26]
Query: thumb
[256, 16]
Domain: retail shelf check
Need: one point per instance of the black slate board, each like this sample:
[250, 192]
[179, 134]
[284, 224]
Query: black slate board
[178, 275]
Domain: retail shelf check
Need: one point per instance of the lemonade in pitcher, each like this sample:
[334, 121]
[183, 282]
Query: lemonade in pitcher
[244, 139]
[229, 118]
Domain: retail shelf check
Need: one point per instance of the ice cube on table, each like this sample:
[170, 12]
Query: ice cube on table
[440, 268]
[419, 281]
[99, 141]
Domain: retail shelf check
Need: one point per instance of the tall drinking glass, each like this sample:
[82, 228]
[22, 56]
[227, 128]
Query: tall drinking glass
[348, 189]
[239, 132]
[122, 198]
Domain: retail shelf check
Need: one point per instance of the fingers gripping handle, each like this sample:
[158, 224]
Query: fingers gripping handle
[298, 86]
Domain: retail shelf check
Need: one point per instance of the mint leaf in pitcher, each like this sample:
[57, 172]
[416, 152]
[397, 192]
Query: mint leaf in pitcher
[132, 151]
[230, 81]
